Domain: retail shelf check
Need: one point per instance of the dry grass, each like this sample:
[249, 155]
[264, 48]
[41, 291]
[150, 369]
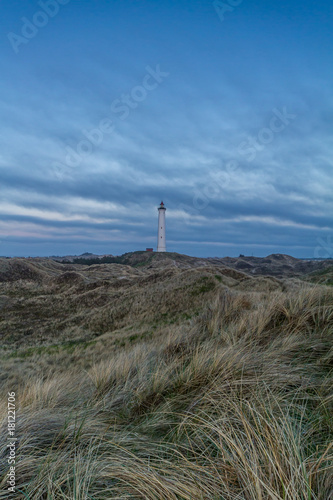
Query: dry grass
[234, 404]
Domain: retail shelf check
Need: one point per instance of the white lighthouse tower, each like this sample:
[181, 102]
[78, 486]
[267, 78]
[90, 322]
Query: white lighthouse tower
[161, 228]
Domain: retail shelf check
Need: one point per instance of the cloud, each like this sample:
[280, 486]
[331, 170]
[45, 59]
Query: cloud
[225, 81]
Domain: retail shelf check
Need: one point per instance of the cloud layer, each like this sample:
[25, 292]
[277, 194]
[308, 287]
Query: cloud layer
[113, 106]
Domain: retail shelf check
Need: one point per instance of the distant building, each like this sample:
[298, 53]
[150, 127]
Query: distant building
[149, 249]
[161, 245]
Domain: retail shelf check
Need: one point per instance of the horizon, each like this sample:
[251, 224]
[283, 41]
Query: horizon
[154, 251]
[223, 110]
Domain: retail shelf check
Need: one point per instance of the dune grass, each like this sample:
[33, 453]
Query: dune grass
[236, 403]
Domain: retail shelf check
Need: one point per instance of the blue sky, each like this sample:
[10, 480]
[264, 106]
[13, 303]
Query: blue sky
[222, 109]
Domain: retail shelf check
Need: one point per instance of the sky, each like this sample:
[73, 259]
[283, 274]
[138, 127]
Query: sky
[223, 110]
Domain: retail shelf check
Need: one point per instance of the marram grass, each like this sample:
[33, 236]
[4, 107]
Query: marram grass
[235, 405]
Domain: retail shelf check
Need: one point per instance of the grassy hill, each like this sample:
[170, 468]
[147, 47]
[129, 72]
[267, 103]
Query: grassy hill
[322, 276]
[278, 265]
[166, 377]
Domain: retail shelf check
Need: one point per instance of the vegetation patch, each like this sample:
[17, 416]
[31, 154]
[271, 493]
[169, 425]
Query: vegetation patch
[224, 393]
[203, 285]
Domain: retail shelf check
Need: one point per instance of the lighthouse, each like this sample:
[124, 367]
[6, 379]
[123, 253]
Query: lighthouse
[161, 228]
